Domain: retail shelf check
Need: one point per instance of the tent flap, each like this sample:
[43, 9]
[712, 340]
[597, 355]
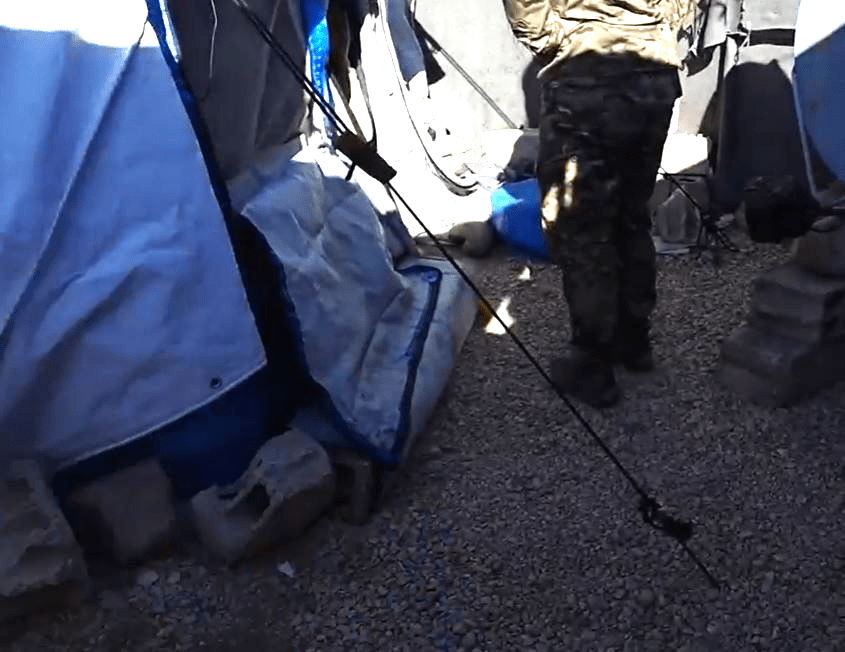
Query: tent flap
[379, 338]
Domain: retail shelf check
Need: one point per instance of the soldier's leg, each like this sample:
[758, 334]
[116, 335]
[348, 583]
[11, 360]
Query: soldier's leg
[579, 224]
[637, 290]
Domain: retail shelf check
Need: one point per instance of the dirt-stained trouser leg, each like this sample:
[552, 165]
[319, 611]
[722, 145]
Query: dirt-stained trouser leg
[579, 213]
[646, 111]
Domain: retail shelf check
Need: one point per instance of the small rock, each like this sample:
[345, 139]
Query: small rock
[646, 597]
[677, 220]
[476, 238]
[459, 628]
[469, 640]
[174, 578]
[147, 577]
[286, 569]
[595, 602]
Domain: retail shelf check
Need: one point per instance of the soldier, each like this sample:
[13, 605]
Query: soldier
[608, 92]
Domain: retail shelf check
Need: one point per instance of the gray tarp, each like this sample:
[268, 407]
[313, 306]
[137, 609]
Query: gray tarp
[248, 99]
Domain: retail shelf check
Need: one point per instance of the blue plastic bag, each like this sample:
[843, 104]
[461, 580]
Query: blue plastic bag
[515, 217]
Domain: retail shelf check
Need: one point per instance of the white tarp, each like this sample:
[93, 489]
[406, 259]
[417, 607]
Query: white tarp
[121, 307]
[380, 330]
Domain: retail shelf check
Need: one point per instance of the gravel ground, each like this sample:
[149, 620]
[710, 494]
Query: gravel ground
[509, 531]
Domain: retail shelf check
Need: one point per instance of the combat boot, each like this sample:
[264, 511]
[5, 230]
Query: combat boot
[587, 377]
[632, 348]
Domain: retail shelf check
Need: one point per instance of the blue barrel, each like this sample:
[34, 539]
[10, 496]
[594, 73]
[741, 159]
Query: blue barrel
[818, 78]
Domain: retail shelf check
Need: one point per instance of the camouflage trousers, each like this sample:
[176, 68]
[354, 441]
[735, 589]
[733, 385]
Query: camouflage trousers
[601, 142]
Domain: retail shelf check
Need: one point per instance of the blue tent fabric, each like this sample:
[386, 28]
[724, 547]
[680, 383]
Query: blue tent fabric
[147, 312]
[316, 26]
[122, 307]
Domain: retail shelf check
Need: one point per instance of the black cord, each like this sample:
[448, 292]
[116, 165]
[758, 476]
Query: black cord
[312, 92]
[653, 513]
[425, 35]
[452, 184]
[373, 164]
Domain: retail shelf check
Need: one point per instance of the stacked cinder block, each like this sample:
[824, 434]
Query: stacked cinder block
[793, 343]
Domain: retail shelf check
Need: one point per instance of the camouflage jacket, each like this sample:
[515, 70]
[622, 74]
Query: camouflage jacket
[562, 29]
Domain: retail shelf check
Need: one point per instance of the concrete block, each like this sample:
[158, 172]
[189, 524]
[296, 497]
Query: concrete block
[767, 355]
[779, 370]
[128, 515]
[358, 483]
[792, 293]
[822, 253]
[810, 332]
[41, 564]
[288, 485]
[754, 388]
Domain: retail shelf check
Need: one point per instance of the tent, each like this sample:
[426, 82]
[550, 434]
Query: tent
[187, 265]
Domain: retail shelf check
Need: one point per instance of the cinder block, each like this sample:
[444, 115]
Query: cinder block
[779, 370]
[289, 484]
[766, 355]
[128, 515]
[805, 331]
[358, 480]
[41, 564]
[790, 292]
[822, 253]
[756, 389]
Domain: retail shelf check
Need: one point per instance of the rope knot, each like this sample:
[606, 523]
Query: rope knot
[654, 515]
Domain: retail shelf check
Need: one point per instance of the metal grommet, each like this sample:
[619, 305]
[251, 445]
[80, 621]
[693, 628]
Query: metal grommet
[216, 383]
